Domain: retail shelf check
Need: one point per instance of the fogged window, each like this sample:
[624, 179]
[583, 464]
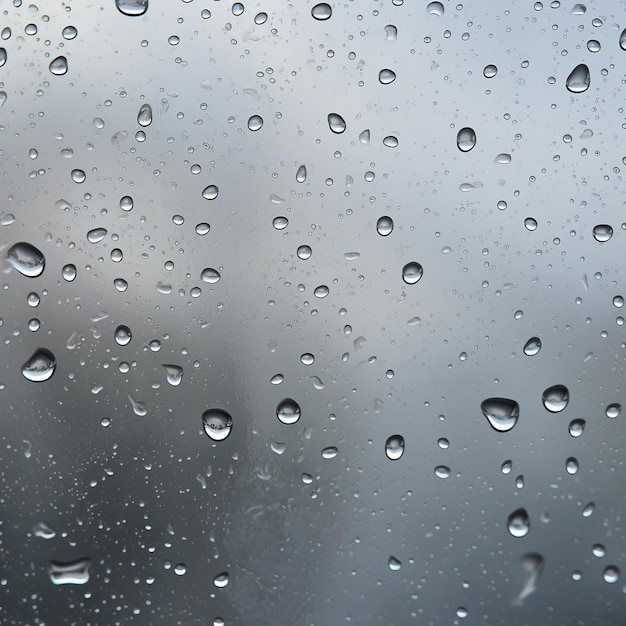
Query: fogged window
[312, 313]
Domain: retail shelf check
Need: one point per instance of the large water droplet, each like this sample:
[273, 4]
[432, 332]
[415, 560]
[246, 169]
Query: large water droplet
[255, 123]
[96, 235]
[217, 424]
[386, 76]
[412, 273]
[501, 413]
[144, 117]
[301, 174]
[531, 569]
[578, 81]
[123, 335]
[304, 252]
[69, 272]
[532, 346]
[518, 523]
[26, 259]
[173, 374]
[70, 573]
[221, 580]
[260, 18]
[126, 203]
[611, 574]
[391, 32]
[577, 427]
[602, 232]
[466, 139]
[69, 33]
[40, 366]
[442, 471]
[384, 226]
[78, 176]
[58, 66]
[321, 11]
[490, 71]
[613, 410]
[394, 447]
[330, 452]
[435, 8]
[210, 275]
[210, 192]
[556, 398]
[132, 8]
[336, 123]
[288, 411]
[321, 291]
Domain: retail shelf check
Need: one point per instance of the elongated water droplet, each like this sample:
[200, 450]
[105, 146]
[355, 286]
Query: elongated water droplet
[589, 509]
[501, 413]
[571, 465]
[330, 452]
[217, 424]
[531, 566]
[321, 292]
[556, 398]
[394, 447]
[210, 192]
[518, 523]
[466, 139]
[71, 572]
[578, 81]
[96, 235]
[435, 8]
[40, 366]
[602, 232]
[123, 336]
[255, 123]
[288, 411]
[144, 117]
[26, 259]
[336, 123]
[532, 346]
[442, 471]
[210, 275]
[301, 174]
[386, 76]
[173, 374]
[412, 273]
[58, 66]
[44, 531]
[132, 8]
[321, 11]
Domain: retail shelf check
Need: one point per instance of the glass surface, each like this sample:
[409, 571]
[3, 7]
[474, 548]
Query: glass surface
[312, 314]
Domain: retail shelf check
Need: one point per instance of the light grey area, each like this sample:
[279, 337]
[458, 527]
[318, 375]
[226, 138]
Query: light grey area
[117, 508]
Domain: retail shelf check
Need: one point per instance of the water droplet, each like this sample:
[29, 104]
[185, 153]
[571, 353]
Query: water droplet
[255, 123]
[307, 358]
[330, 452]
[301, 174]
[466, 139]
[70, 573]
[173, 374]
[180, 569]
[503, 159]
[611, 574]
[384, 226]
[598, 550]
[412, 273]
[391, 32]
[602, 232]
[336, 123]
[462, 612]
[394, 447]
[44, 531]
[69, 272]
[593, 45]
[532, 346]
[501, 413]
[3, 97]
[386, 76]
[123, 335]
[40, 366]
[210, 192]
[260, 18]
[530, 223]
[622, 40]
[210, 275]
[518, 523]
[126, 203]
[3, 56]
[304, 252]
[588, 510]
[578, 9]
[577, 427]
[221, 580]
[78, 176]
[442, 471]
[390, 141]
[280, 222]
[364, 136]
[394, 564]
[217, 424]
[435, 8]
[96, 235]
[490, 71]
[321, 292]
[120, 284]
[26, 259]
[321, 11]
[531, 566]
[144, 117]
[578, 81]
[506, 467]
[33, 299]
[69, 32]
[116, 255]
[58, 66]
[288, 411]
[132, 8]
[556, 398]
[571, 465]
[277, 379]
[237, 9]
[613, 410]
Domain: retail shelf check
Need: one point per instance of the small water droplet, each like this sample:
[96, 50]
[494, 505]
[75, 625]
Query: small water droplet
[210, 192]
[217, 424]
[40, 366]
[613, 410]
[301, 174]
[336, 123]
[321, 11]
[506, 467]
[144, 117]
[120, 284]
[255, 123]
[386, 76]
[390, 141]
[611, 574]
[3, 56]
[503, 159]
[490, 71]
[556, 398]
[71, 572]
[384, 225]
[26, 259]
[501, 413]
[210, 275]
[598, 550]
[518, 523]
[58, 66]
[173, 374]
[277, 379]
[288, 411]
[435, 8]
[394, 564]
[132, 8]
[532, 346]
[123, 335]
[394, 447]
[96, 235]
[466, 139]
[602, 232]
[412, 273]
[578, 81]
[593, 45]
[577, 427]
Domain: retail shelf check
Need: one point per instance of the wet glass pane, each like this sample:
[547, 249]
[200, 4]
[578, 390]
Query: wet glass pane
[312, 313]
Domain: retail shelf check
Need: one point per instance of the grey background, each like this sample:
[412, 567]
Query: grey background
[152, 490]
